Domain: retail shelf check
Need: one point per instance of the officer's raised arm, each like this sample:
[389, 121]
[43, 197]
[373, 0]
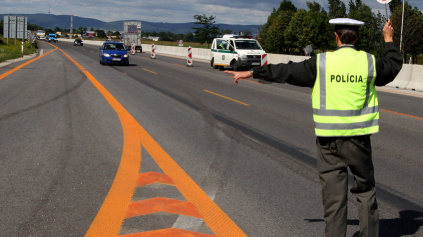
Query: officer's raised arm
[390, 65]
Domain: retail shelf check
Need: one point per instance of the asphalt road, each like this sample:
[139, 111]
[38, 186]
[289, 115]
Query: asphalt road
[249, 148]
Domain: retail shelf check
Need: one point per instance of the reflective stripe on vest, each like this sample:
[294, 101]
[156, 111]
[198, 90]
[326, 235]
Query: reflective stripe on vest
[356, 111]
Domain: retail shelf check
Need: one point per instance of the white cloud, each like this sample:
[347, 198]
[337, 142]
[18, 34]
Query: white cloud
[173, 11]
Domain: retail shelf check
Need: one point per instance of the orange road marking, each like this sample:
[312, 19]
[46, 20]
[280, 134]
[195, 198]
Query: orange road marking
[401, 114]
[160, 204]
[179, 65]
[113, 211]
[153, 177]
[172, 232]
[149, 71]
[212, 214]
[227, 98]
[23, 65]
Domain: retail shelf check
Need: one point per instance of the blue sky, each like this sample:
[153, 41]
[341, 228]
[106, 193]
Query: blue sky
[243, 12]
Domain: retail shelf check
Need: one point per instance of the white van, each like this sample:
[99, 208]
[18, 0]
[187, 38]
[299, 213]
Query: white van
[236, 52]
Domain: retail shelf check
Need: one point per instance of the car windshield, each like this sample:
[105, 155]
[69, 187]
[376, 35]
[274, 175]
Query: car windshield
[114, 47]
[247, 44]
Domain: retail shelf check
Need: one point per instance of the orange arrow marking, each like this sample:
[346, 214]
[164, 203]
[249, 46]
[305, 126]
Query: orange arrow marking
[168, 233]
[160, 204]
[154, 177]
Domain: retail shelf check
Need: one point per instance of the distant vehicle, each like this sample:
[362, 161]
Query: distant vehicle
[78, 42]
[52, 37]
[235, 51]
[41, 38]
[89, 34]
[113, 52]
[132, 34]
[41, 33]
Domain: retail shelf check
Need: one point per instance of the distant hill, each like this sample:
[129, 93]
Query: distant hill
[63, 21]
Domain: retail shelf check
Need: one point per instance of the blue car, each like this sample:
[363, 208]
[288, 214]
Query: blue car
[113, 53]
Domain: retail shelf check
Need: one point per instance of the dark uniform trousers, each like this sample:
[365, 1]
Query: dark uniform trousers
[334, 156]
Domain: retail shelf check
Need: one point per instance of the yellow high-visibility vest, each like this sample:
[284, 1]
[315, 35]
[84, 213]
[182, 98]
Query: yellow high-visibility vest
[344, 96]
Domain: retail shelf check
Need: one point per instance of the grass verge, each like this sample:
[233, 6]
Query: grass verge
[11, 50]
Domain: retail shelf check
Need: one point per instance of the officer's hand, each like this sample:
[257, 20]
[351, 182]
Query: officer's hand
[388, 32]
[239, 75]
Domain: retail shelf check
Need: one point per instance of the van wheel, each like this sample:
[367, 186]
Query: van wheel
[235, 66]
[212, 64]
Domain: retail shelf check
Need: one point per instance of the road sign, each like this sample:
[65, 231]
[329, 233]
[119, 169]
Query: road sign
[153, 51]
[189, 58]
[181, 43]
[264, 59]
[386, 8]
[308, 49]
[132, 48]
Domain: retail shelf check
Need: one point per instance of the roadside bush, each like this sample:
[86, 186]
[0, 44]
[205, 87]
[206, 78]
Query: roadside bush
[12, 50]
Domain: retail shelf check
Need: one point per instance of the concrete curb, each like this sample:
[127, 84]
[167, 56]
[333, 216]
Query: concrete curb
[25, 57]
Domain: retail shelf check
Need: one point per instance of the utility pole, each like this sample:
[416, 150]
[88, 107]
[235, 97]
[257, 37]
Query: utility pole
[402, 24]
[71, 26]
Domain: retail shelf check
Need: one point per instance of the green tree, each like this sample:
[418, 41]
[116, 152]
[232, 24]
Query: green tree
[1, 27]
[286, 5]
[32, 27]
[274, 40]
[56, 29]
[247, 32]
[271, 34]
[322, 37]
[354, 5]
[209, 31]
[394, 4]
[101, 34]
[49, 31]
[303, 30]
[337, 9]
[224, 32]
[371, 33]
[412, 32]
[189, 37]
[92, 29]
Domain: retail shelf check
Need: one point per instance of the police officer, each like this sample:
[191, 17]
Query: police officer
[346, 113]
[223, 45]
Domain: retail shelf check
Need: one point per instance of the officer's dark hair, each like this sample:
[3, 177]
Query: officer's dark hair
[347, 36]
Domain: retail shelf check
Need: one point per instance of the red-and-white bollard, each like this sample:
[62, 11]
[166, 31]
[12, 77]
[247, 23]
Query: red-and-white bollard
[264, 59]
[153, 51]
[189, 58]
[132, 48]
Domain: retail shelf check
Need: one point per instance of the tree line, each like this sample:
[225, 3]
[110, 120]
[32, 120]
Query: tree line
[289, 29]
[163, 36]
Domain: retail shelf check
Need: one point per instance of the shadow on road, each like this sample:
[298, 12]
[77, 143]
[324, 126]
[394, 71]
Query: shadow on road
[408, 223]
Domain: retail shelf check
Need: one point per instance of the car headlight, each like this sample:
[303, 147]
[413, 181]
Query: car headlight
[243, 56]
[126, 55]
[106, 55]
